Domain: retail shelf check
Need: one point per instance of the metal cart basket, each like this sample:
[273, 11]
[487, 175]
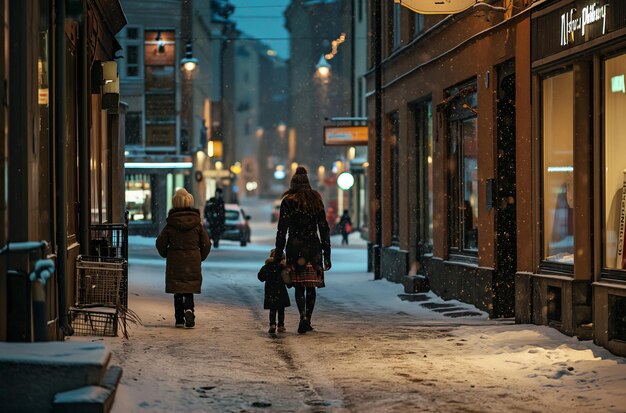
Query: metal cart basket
[111, 240]
[99, 295]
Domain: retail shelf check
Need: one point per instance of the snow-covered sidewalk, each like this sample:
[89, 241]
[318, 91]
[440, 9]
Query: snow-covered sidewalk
[370, 351]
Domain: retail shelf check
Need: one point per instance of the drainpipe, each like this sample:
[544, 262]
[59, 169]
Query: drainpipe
[378, 103]
[83, 135]
[60, 165]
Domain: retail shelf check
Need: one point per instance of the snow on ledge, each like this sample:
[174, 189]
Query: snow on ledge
[88, 394]
[55, 352]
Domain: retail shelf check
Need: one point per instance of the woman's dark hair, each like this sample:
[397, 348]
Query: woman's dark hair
[301, 192]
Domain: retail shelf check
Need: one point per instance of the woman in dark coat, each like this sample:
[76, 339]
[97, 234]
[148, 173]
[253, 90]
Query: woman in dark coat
[185, 244]
[308, 254]
[276, 297]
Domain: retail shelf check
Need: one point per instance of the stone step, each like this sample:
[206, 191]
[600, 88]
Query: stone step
[90, 399]
[31, 374]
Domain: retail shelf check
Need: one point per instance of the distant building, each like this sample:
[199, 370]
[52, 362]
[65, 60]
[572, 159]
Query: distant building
[171, 111]
[259, 115]
[273, 114]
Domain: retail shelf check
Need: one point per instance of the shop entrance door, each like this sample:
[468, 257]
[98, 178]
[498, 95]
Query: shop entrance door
[505, 195]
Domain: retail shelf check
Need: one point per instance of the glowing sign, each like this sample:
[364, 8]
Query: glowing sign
[436, 6]
[345, 135]
[571, 22]
[617, 84]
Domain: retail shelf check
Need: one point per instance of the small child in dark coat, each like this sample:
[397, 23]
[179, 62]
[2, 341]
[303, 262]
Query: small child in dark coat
[276, 297]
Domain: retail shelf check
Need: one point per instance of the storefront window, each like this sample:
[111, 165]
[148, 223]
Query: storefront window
[558, 168]
[463, 171]
[470, 184]
[394, 171]
[139, 197]
[615, 163]
[173, 183]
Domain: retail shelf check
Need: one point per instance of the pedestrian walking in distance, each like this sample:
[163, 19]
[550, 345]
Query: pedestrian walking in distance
[304, 231]
[345, 224]
[275, 275]
[184, 244]
[215, 216]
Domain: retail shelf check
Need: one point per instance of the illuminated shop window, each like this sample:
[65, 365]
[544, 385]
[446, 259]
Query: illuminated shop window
[558, 168]
[139, 197]
[615, 163]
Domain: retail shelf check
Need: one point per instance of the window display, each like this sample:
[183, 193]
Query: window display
[615, 163]
[139, 197]
[558, 168]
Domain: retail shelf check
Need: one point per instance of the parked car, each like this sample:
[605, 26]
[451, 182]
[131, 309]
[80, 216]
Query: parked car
[275, 211]
[236, 226]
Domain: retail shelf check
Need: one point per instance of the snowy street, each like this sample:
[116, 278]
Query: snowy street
[370, 351]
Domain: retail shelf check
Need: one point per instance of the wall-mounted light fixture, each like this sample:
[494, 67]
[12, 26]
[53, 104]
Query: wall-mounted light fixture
[189, 62]
[323, 67]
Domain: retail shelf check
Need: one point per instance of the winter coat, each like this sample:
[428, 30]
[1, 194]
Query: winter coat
[185, 244]
[276, 296]
[345, 219]
[215, 214]
[304, 244]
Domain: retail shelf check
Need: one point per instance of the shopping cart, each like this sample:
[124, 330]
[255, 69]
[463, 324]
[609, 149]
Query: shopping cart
[111, 240]
[99, 295]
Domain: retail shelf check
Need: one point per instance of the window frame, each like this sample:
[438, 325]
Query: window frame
[393, 130]
[418, 24]
[545, 265]
[131, 114]
[139, 44]
[396, 40]
[606, 272]
[457, 249]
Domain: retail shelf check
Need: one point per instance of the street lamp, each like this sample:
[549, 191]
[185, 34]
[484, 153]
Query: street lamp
[189, 62]
[323, 67]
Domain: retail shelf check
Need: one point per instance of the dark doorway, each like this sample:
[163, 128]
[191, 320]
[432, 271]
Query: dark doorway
[505, 197]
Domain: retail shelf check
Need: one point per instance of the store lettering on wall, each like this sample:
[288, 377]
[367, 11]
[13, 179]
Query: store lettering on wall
[572, 21]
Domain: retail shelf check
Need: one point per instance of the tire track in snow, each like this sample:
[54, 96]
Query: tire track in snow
[317, 393]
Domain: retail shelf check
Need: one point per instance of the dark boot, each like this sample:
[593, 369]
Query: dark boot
[308, 323]
[190, 319]
[302, 327]
[179, 310]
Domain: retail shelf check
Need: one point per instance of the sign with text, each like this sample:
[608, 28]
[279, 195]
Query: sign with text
[575, 24]
[345, 135]
[161, 135]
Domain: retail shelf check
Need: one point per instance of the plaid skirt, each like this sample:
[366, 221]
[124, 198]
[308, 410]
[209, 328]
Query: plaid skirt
[308, 277]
